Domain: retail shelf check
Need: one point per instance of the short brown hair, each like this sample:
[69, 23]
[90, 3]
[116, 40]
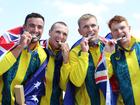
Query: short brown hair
[117, 19]
[86, 17]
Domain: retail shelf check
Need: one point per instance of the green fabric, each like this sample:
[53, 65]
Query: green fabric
[121, 72]
[11, 73]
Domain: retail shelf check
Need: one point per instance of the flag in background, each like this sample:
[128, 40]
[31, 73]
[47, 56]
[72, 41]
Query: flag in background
[44, 43]
[102, 80]
[9, 39]
[113, 80]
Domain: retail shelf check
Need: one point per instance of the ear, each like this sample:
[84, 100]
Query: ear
[24, 27]
[49, 33]
[129, 28]
[112, 34]
[79, 31]
[98, 27]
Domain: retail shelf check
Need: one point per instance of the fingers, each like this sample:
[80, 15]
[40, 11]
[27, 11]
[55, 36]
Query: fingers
[85, 40]
[110, 42]
[110, 45]
[65, 52]
[84, 44]
[89, 37]
[103, 39]
[25, 39]
[27, 35]
[64, 47]
[60, 43]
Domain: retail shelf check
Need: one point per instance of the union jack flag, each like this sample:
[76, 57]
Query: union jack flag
[101, 71]
[9, 39]
[102, 80]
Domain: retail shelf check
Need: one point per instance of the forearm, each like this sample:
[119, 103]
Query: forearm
[64, 75]
[17, 50]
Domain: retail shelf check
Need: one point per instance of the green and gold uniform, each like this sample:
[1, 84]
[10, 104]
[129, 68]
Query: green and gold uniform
[18, 71]
[126, 68]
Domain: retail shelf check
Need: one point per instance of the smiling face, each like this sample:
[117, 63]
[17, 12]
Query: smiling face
[58, 33]
[121, 30]
[35, 27]
[88, 27]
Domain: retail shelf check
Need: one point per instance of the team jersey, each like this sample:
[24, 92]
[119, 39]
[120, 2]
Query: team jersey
[53, 92]
[126, 68]
[18, 71]
[82, 69]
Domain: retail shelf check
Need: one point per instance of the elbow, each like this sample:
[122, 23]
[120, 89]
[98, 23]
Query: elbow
[76, 81]
[77, 84]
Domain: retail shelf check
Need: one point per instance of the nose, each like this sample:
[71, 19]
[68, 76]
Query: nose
[119, 31]
[36, 30]
[61, 35]
[90, 28]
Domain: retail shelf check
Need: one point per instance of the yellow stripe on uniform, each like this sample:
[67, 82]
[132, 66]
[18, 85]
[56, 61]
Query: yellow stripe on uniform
[134, 71]
[22, 68]
[10, 59]
[42, 54]
[45, 100]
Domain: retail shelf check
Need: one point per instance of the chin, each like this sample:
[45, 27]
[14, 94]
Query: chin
[124, 42]
[34, 42]
[58, 48]
[55, 47]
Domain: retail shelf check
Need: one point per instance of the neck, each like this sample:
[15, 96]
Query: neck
[32, 46]
[126, 45]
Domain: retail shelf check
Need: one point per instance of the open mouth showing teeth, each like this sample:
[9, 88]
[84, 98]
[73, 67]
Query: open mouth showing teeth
[90, 34]
[35, 38]
[120, 38]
